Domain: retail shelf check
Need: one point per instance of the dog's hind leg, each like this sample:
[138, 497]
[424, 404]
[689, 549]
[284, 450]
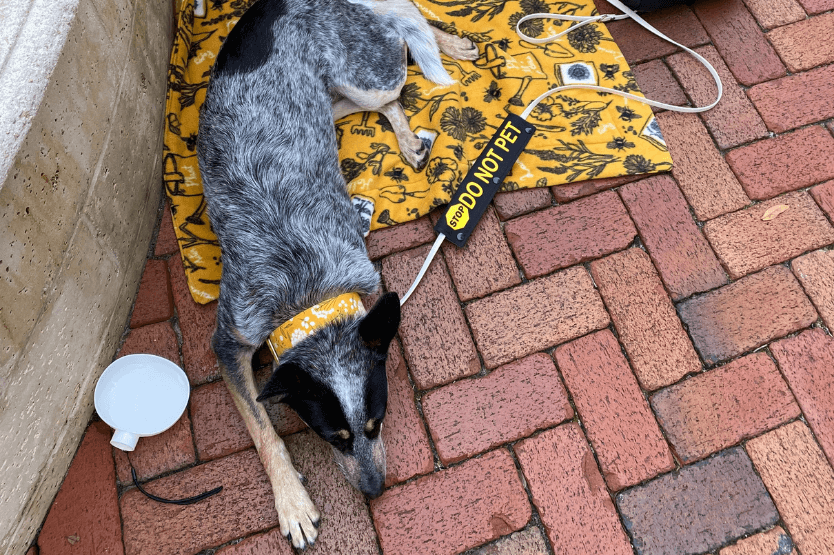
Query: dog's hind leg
[414, 149]
[298, 517]
[454, 46]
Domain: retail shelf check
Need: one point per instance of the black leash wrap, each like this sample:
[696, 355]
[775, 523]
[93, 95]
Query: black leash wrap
[186, 501]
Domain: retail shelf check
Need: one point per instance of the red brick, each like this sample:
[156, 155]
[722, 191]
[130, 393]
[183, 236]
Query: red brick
[616, 416]
[649, 329]
[346, 526]
[246, 505]
[196, 326]
[153, 301]
[806, 361]
[269, 543]
[657, 83]
[774, 541]
[536, 316]
[155, 455]
[570, 493]
[166, 239]
[784, 163]
[719, 408]
[404, 435]
[572, 191]
[734, 120]
[515, 203]
[699, 508]
[453, 510]
[485, 264]
[680, 253]
[805, 44]
[746, 314]
[745, 243]
[638, 45]
[815, 271]
[34, 550]
[218, 427]
[797, 100]
[156, 339]
[566, 235]
[795, 472]
[510, 403]
[408, 235]
[704, 177]
[817, 6]
[84, 517]
[526, 542]
[824, 195]
[774, 13]
[741, 43]
[435, 338]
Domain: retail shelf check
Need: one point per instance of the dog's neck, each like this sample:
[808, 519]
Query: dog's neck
[309, 321]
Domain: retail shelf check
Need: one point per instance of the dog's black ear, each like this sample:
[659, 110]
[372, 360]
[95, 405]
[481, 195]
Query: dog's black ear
[285, 379]
[379, 326]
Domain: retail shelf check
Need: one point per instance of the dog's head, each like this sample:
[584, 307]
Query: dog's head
[335, 380]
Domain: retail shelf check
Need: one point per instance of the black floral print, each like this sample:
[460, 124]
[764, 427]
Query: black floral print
[585, 39]
[409, 95]
[384, 124]
[534, 6]
[444, 171]
[630, 85]
[634, 163]
[532, 28]
[460, 123]
[350, 169]
[544, 109]
[457, 150]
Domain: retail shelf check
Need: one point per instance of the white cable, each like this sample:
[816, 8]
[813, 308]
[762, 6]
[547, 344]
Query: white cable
[584, 20]
[426, 263]
[610, 17]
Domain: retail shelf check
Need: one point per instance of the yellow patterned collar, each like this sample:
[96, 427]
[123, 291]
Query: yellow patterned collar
[306, 323]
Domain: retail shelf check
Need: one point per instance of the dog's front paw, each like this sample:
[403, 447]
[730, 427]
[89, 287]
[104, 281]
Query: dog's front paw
[297, 515]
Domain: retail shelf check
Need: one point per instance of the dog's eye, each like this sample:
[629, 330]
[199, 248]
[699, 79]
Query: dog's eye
[372, 427]
[341, 440]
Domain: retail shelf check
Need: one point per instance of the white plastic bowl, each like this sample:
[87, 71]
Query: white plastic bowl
[140, 396]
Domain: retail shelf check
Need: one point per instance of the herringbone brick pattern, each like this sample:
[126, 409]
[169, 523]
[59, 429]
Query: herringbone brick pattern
[637, 365]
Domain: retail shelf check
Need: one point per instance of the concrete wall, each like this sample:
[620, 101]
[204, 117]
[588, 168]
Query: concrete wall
[77, 211]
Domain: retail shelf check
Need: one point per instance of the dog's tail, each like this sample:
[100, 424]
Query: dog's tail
[424, 50]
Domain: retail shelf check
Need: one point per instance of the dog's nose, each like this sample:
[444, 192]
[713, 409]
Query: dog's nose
[373, 488]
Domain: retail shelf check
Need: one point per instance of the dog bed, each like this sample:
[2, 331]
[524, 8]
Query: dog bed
[581, 134]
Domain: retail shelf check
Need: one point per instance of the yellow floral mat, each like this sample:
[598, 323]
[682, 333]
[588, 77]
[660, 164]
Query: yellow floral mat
[581, 134]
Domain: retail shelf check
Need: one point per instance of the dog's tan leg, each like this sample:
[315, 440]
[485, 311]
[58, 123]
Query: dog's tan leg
[297, 515]
[454, 46]
[344, 107]
[412, 147]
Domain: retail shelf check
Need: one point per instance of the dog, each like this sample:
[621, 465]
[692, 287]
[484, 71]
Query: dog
[289, 235]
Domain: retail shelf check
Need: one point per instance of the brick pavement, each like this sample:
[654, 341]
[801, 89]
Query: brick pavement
[635, 365]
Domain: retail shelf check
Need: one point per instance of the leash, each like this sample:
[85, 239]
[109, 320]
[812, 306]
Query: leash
[186, 501]
[448, 227]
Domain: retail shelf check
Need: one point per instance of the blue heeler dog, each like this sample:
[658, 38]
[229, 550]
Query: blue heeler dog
[289, 235]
